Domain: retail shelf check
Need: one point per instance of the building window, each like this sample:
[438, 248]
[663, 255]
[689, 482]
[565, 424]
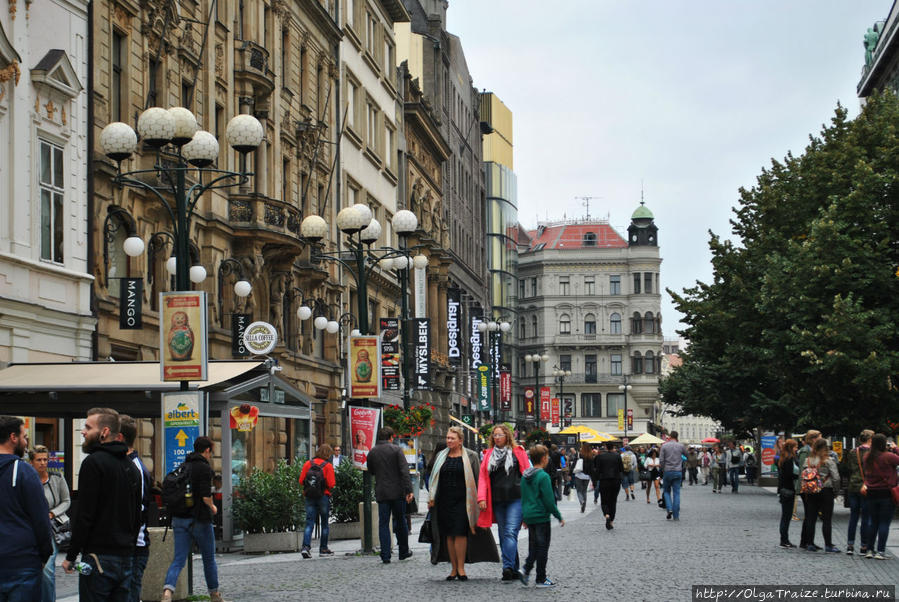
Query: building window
[650, 363]
[371, 30]
[350, 12]
[388, 148]
[118, 63]
[591, 404]
[389, 61]
[614, 402]
[590, 239]
[52, 190]
[564, 285]
[590, 368]
[153, 83]
[637, 283]
[649, 323]
[589, 324]
[636, 323]
[647, 283]
[615, 285]
[534, 325]
[589, 285]
[521, 331]
[615, 365]
[351, 96]
[285, 181]
[371, 125]
[534, 286]
[285, 56]
[564, 362]
[564, 324]
[615, 323]
[187, 94]
[637, 363]
[521, 288]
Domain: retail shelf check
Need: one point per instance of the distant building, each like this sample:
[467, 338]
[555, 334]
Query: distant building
[881, 68]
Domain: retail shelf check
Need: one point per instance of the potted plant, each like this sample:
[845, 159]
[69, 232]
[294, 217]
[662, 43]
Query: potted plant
[346, 498]
[269, 508]
[538, 435]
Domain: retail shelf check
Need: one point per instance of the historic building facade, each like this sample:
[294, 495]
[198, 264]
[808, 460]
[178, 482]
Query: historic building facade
[590, 300]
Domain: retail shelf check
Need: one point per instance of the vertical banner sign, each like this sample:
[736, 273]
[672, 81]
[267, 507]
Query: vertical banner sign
[239, 323]
[421, 292]
[182, 336]
[620, 419]
[567, 411]
[454, 325]
[530, 409]
[838, 449]
[544, 404]
[181, 425]
[495, 354]
[505, 391]
[484, 388]
[363, 363]
[630, 419]
[555, 411]
[475, 338]
[390, 354]
[364, 424]
[131, 296]
[768, 442]
[422, 353]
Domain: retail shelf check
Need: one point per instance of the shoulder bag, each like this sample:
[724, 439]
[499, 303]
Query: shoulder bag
[425, 535]
[61, 527]
[858, 457]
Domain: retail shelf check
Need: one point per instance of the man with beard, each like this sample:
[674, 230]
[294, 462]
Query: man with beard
[24, 518]
[105, 528]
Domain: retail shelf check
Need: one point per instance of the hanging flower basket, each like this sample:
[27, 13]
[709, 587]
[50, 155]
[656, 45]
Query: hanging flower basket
[538, 435]
[411, 422]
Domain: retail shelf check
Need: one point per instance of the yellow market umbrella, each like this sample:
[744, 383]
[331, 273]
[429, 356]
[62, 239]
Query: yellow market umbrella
[588, 434]
[646, 439]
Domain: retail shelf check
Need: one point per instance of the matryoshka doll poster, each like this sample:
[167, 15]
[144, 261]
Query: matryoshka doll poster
[182, 336]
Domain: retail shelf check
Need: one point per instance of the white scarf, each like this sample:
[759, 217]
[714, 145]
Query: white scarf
[502, 456]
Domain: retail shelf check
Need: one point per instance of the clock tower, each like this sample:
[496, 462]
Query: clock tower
[642, 232]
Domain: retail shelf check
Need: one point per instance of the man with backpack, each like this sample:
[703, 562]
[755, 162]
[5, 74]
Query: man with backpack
[393, 490]
[629, 476]
[734, 458]
[192, 509]
[318, 479]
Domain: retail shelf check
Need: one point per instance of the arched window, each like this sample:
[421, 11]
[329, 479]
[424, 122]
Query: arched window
[615, 323]
[649, 323]
[534, 325]
[637, 363]
[521, 331]
[564, 324]
[650, 363]
[636, 323]
[589, 324]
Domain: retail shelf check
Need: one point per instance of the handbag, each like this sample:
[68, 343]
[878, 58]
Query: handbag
[62, 533]
[425, 535]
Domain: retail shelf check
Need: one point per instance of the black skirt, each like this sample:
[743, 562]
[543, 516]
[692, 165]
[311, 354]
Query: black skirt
[452, 517]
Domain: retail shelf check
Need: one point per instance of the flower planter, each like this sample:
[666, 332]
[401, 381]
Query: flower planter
[256, 543]
[345, 530]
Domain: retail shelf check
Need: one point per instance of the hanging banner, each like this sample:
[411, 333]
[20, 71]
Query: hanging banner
[769, 440]
[422, 330]
[530, 407]
[454, 325]
[363, 362]
[476, 338]
[495, 353]
[181, 415]
[505, 391]
[484, 388]
[544, 404]
[621, 419]
[421, 292]
[239, 323]
[555, 411]
[131, 296]
[182, 336]
[630, 419]
[390, 354]
[364, 424]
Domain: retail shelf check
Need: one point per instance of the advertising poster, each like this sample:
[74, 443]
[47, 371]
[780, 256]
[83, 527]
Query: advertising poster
[567, 411]
[768, 442]
[363, 363]
[484, 388]
[364, 424]
[390, 354]
[505, 391]
[181, 416]
[544, 404]
[131, 295]
[422, 334]
[476, 338]
[182, 336]
[556, 415]
[530, 408]
[630, 419]
[621, 419]
[410, 450]
[454, 326]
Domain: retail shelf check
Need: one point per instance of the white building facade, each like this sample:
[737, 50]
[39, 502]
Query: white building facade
[45, 299]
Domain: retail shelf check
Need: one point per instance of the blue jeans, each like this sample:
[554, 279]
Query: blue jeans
[113, 584]
[734, 477]
[188, 530]
[858, 508]
[20, 585]
[508, 522]
[397, 508]
[317, 510]
[138, 566]
[671, 483]
[881, 510]
[48, 577]
[539, 536]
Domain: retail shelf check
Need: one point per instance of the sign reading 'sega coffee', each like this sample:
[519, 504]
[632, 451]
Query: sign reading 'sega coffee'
[260, 338]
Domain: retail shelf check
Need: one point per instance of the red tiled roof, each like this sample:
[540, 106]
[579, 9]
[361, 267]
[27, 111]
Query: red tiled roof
[572, 237]
[675, 360]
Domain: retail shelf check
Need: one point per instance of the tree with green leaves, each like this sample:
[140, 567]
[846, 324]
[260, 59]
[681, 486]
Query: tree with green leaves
[798, 328]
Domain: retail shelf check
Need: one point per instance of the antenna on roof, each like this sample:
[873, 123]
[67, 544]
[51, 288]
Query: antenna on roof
[642, 202]
[586, 203]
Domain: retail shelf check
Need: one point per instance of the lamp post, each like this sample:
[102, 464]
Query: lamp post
[363, 231]
[537, 359]
[625, 388]
[560, 376]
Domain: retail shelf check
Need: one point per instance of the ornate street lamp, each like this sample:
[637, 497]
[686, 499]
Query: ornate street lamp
[537, 359]
[624, 389]
[560, 376]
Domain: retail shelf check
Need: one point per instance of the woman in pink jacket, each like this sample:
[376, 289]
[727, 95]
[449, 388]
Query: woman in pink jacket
[499, 494]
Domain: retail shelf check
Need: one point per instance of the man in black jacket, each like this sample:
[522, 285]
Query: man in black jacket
[608, 468]
[109, 508]
[128, 426]
[393, 490]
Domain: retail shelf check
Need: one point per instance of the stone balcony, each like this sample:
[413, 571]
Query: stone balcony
[251, 63]
[264, 217]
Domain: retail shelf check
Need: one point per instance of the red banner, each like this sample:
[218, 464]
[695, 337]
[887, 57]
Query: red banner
[505, 391]
[364, 423]
[529, 402]
[555, 411]
[630, 419]
[544, 403]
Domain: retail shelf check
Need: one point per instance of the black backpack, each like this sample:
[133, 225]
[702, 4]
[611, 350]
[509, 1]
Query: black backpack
[174, 489]
[314, 483]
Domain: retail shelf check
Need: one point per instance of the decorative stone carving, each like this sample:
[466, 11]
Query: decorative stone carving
[274, 216]
[10, 72]
[240, 211]
[219, 60]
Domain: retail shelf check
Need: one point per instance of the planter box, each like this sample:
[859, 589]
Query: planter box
[161, 555]
[345, 530]
[255, 543]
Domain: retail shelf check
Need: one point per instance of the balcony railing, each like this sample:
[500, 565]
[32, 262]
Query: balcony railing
[261, 213]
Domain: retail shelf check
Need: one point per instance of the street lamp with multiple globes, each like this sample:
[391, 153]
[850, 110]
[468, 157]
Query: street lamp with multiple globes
[497, 329]
[560, 376]
[537, 358]
[624, 389]
[360, 260]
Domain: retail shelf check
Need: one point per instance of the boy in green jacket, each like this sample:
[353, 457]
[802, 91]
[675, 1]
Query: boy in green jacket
[537, 503]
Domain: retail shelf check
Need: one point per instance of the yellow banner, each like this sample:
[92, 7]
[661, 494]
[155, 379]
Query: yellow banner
[620, 420]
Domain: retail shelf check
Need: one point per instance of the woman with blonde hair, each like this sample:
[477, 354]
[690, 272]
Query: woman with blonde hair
[58, 499]
[499, 494]
[453, 502]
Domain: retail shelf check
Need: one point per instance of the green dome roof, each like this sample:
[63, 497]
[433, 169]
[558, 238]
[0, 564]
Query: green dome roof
[642, 213]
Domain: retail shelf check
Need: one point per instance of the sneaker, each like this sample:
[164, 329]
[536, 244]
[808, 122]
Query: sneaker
[509, 575]
[869, 554]
[669, 515]
[786, 545]
[406, 555]
[524, 577]
[833, 549]
[850, 549]
[862, 550]
[812, 548]
[385, 561]
[546, 584]
[879, 556]
[306, 552]
[325, 552]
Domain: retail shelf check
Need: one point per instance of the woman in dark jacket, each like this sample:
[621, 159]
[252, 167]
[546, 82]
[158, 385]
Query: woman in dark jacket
[787, 469]
[880, 478]
[608, 468]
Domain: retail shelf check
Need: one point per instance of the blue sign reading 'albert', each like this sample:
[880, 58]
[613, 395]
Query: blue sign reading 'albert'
[181, 426]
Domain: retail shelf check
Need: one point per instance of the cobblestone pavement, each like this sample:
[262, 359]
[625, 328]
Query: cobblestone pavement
[720, 539]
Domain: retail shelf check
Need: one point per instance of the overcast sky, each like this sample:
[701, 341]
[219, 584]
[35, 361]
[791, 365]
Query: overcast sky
[691, 97]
